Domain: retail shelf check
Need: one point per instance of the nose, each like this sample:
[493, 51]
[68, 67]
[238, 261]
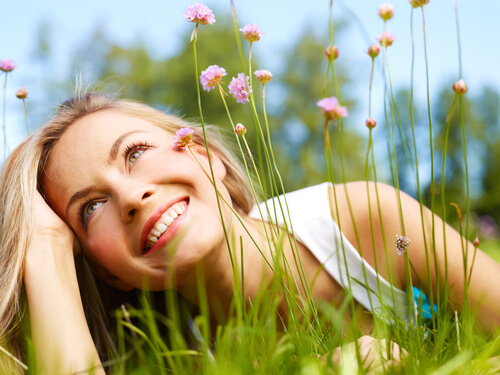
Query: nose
[132, 199]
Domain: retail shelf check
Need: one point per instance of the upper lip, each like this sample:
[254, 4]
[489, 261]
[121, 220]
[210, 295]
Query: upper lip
[157, 214]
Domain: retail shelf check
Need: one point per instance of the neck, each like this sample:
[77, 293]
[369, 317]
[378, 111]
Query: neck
[221, 274]
[242, 256]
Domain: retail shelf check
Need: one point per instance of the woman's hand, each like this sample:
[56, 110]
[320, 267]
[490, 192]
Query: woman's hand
[61, 337]
[50, 231]
[375, 354]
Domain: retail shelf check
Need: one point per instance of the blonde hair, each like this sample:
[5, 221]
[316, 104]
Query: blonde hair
[21, 176]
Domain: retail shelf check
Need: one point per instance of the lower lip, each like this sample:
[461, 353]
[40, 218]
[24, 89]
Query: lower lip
[169, 234]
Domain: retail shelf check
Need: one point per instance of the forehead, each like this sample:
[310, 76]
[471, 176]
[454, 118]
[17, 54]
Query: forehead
[83, 152]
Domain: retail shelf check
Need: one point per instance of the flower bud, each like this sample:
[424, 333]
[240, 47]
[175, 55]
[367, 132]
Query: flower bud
[373, 50]
[476, 242]
[386, 11]
[371, 123]
[332, 52]
[22, 93]
[460, 87]
[240, 129]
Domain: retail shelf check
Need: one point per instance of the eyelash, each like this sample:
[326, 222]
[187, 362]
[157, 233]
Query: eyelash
[141, 146]
[131, 148]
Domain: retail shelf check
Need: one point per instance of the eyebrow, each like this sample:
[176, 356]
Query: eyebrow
[79, 194]
[113, 153]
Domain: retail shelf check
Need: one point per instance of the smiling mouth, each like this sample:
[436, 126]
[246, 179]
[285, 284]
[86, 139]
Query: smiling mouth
[163, 223]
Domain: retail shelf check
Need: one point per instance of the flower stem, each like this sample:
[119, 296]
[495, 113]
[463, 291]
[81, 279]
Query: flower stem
[417, 175]
[26, 117]
[237, 34]
[206, 332]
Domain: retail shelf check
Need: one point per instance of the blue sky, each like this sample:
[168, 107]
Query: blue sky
[160, 24]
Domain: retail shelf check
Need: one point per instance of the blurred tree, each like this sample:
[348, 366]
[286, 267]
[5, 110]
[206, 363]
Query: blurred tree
[299, 128]
[169, 83]
[481, 119]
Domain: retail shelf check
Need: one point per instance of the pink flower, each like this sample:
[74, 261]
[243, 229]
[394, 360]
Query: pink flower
[331, 108]
[371, 123]
[240, 88]
[418, 3]
[199, 13]
[252, 32]
[264, 76]
[332, 52]
[7, 65]
[460, 87]
[22, 93]
[373, 50]
[182, 138]
[386, 11]
[386, 39]
[402, 244]
[240, 129]
[211, 77]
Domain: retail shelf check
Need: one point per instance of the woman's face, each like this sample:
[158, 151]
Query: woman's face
[139, 208]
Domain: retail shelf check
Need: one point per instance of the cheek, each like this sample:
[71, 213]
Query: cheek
[102, 249]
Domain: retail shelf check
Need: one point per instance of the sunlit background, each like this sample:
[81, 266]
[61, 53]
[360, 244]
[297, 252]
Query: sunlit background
[142, 50]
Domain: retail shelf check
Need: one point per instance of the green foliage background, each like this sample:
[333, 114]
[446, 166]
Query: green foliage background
[296, 124]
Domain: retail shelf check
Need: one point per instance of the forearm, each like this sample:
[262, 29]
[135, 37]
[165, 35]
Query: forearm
[60, 334]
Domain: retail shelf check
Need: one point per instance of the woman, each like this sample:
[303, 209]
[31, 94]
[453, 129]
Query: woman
[145, 214]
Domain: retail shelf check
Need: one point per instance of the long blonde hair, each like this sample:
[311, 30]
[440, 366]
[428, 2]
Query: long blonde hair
[21, 176]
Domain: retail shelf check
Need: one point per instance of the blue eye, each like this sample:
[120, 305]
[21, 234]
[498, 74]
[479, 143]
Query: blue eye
[132, 157]
[91, 208]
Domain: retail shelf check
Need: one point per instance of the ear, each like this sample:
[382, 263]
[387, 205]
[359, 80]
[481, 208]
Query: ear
[217, 165]
[112, 280]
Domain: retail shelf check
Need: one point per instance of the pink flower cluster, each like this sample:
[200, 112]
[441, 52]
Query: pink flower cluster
[240, 88]
[402, 244]
[7, 65]
[386, 39]
[331, 108]
[252, 32]
[264, 76]
[182, 138]
[199, 13]
[211, 77]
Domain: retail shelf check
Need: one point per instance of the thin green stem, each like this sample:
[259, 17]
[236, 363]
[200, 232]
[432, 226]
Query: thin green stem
[443, 183]
[238, 39]
[206, 332]
[417, 174]
[433, 178]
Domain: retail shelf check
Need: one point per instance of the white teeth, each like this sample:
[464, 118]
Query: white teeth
[164, 223]
[161, 227]
[167, 220]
